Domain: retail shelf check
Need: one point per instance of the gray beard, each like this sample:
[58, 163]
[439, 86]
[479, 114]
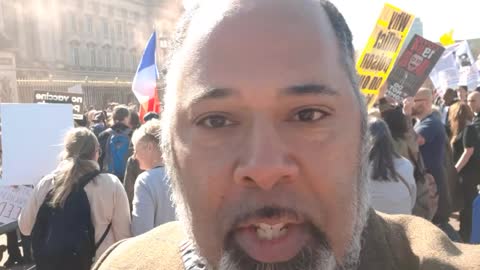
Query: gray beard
[310, 258]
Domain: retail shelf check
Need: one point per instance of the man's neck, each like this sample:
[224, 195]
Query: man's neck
[155, 164]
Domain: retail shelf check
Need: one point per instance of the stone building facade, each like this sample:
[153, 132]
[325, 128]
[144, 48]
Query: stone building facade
[83, 41]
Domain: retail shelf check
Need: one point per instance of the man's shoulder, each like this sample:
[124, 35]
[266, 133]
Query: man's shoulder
[428, 243]
[158, 249]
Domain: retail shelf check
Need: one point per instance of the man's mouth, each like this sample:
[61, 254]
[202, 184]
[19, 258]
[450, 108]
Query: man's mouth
[272, 240]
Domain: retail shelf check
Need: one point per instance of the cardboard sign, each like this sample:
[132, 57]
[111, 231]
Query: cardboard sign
[383, 47]
[413, 68]
[31, 151]
[66, 98]
[456, 67]
[12, 202]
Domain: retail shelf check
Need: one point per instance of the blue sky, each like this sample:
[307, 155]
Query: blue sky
[438, 18]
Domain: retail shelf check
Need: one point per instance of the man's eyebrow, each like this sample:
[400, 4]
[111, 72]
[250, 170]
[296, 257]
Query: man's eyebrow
[310, 89]
[212, 93]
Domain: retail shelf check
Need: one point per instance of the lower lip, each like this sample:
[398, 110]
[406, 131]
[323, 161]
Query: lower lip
[281, 249]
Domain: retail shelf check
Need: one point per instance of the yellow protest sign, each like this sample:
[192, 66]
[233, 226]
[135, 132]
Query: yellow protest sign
[383, 47]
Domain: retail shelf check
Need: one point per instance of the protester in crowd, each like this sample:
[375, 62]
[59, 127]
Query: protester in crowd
[405, 144]
[132, 170]
[392, 185]
[134, 120]
[115, 142]
[465, 144]
[266, 151]
[151, 203]
[432, 139]
[81, 122]
[474, 104]
[90, 117]
[149, 116]
[131, 174]
[403, 138]
[108, 204]
[449, 98]
[462, 93]
[98, 123]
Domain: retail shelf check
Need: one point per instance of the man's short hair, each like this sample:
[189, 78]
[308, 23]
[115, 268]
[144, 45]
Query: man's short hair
[120, 112]
[342, 32]
[463, 87]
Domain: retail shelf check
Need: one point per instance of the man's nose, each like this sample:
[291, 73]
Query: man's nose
[265, 160]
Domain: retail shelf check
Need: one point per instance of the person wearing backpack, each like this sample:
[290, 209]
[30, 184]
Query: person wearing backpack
[115, 143]
[75, 213]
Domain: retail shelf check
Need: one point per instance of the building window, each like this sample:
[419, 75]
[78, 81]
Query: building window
[101, 57]
[89, 22]
[108, 58]
[73, 23]
[134, 60]
[105, 28]
[124, 13]
[121, 55]
[119, 31]
[93, 57]
[114, 59]
[75, 55]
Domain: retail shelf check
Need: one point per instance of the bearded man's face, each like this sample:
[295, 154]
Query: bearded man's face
[263, 138]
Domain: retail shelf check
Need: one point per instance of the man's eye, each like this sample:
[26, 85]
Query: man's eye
[214, 121]
[309, 115]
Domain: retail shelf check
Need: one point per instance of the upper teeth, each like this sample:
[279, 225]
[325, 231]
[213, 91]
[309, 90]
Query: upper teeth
[269, 232]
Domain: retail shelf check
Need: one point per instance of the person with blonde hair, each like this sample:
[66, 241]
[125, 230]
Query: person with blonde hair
[151, 202]
[57, 208]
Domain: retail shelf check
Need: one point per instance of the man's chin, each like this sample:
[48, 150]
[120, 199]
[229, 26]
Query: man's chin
[300, 247]
[278, 247]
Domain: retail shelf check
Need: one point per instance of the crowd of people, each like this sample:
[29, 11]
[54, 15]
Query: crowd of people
[127, 196]
[269, 159]
[441, 140]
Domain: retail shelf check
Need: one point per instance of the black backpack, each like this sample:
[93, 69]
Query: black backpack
[64, 238]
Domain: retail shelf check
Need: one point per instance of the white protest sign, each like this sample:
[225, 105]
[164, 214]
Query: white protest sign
[12, 201]
[456, 67]
[32, 138]
[467, 68]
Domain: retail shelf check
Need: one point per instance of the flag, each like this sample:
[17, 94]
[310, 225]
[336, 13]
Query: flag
[144, 84]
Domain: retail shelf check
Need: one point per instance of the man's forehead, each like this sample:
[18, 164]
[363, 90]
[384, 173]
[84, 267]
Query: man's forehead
[284, 36]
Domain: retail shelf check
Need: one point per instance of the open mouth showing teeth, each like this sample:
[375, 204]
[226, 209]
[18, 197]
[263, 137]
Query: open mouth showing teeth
[271, 232]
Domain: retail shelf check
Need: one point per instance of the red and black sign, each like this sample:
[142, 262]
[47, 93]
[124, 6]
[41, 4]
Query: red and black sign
[413, 68]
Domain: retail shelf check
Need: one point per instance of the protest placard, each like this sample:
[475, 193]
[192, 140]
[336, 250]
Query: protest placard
[12, 202]
[66, 98]
[413, 68]
[383, 47]
[456, 67]
[32, 140]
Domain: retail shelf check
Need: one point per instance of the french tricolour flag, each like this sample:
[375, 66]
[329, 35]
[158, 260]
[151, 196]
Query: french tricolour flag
[145, 81]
